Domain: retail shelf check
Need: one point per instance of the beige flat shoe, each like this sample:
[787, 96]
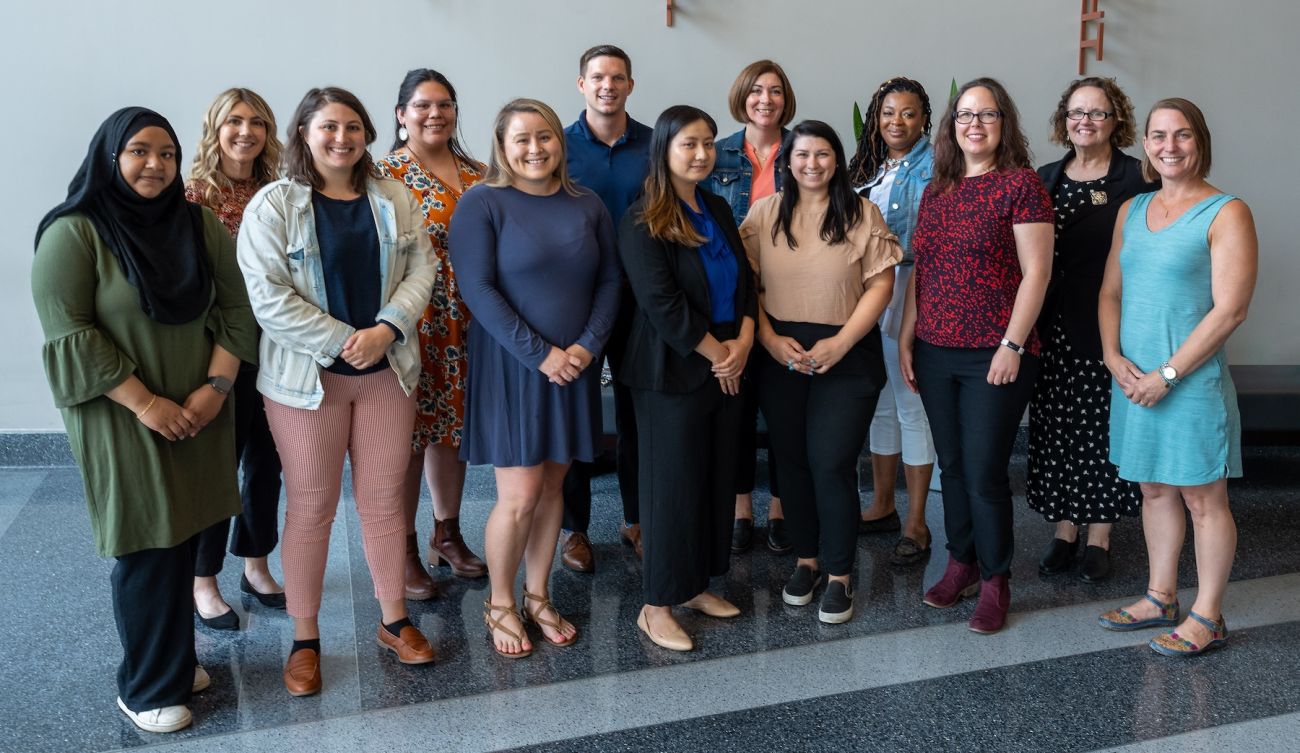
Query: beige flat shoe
[679, 641]
[712, 605]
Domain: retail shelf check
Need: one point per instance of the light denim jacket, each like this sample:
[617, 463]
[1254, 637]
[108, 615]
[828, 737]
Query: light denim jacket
[280, 257]
[733, 173]
[914, 174]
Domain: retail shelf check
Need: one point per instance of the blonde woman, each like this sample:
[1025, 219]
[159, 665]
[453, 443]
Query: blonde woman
[237, 155]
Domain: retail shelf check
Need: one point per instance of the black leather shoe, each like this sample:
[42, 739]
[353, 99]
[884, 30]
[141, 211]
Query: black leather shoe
[1058, 557]
[1096, 564]
[777, 539]
[274, 601]
[226, 621]
[742, 535]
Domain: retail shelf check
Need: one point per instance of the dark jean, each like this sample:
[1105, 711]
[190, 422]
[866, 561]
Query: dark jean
[974, 425]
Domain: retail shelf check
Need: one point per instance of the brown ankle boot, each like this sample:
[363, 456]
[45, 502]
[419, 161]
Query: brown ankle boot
[447, 547]
[419, 586]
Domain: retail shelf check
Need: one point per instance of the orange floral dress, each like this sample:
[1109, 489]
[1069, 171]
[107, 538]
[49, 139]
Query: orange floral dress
[443, 329]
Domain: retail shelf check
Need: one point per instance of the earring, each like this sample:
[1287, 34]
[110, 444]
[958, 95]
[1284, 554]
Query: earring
[402, 134]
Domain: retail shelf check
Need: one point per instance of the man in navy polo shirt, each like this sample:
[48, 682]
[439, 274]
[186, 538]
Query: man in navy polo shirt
[608, 152]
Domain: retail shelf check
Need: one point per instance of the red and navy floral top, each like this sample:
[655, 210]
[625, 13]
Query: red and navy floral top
[967, 271]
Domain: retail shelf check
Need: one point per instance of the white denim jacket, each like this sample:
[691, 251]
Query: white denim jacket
[280, 259]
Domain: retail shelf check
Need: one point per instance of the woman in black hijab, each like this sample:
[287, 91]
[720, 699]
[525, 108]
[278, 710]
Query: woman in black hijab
[145, 321]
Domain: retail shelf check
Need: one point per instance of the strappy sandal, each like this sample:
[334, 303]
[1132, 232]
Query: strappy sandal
[494, 624]
[537, 616]
[1122, 620]
[1173, 644]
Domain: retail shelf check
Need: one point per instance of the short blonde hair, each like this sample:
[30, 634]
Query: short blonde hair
[1200, 131]
[745, 81]
[207, 157]
[499, 174]
[1125, 129]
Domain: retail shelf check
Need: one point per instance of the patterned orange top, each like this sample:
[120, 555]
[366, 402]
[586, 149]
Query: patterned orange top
[444, 327]
[233, 200]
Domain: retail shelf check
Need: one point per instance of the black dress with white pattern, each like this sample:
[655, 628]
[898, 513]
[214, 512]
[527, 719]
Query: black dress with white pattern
[1070, 474]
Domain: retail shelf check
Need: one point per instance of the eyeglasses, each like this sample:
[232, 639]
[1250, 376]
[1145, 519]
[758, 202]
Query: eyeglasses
[1093, 115]
[987, 117]
[446, 107]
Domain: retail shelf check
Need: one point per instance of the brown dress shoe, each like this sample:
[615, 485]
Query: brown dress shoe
[302, 673]
[575, 552]
[447, 546]
[631, 536]
[409, 644]
[419, 586]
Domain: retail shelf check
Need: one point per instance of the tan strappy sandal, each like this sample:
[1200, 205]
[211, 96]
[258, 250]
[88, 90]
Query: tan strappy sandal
[494, 624]
[537, 616]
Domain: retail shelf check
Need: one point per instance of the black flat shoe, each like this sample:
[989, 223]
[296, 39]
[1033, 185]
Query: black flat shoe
[742, 535]
[1058, 557]
[227, 621]
[1096, 564]
[908, 551]
[887, 524]
[274, 601]
[777, 539]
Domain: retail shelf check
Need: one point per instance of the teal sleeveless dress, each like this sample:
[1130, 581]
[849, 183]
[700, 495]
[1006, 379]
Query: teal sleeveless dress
[1193, 435]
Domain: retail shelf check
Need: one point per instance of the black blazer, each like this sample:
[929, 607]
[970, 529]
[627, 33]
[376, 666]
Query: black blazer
[1082, 246]
[672, 302]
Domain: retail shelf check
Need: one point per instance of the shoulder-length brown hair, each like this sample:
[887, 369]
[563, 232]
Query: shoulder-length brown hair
[1200, 131]
[298, 164]
[499, 173]
[1125, 130]
[207, 157]
[663, 216]
[1013, 147]
[745, 81]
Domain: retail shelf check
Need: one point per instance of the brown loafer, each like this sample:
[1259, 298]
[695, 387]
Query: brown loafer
[419, 586]
[409, 644]
[631, 536]
[447, 546]
[575, 552]
[302, 673]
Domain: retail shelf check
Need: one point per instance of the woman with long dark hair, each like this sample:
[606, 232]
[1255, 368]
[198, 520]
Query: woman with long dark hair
[145, 321]
[338, 268]
[824, 261]
[689, 341]
[892, 167]
[983, 246]
[239, 153]
[429, 159]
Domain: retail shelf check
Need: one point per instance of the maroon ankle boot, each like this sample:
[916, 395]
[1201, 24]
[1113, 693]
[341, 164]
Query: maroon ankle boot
[958, 580]
[991, 612]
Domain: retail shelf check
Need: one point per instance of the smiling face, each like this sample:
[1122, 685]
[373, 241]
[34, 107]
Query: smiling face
[430, 116]
[902, 120]
[147, 162]
[691, 156]
[336, 138]
[1171, 146]
[606, 85]
[241, 137]
[534, 153]
[978, 141]
[812, 162]
[1085, 133]
[765, 102]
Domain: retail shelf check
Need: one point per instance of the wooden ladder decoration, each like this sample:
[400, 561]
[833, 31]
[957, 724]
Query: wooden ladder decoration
[1086, 15]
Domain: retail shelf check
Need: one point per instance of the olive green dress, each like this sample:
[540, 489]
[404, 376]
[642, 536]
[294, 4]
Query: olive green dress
[144, 492]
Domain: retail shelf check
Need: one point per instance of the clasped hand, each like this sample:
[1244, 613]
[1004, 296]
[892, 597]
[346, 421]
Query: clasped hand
[365, 347]
[563, 366]
[1144, 389]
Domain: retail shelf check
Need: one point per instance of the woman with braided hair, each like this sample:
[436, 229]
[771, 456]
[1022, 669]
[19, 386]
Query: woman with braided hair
[892, 167]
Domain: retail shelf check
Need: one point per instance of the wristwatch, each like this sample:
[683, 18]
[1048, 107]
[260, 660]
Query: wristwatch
[1169, 374]
[220, 384]
[1017, 347]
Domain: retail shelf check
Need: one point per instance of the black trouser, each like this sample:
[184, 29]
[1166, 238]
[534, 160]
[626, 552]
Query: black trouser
[747, 454]
[256, 531]
[577, 482]
[974, 425]
[817, 424]
[688, 460]
[153, 604]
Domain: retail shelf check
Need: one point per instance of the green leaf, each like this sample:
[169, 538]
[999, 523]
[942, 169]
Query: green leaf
[858, 125]
[952, 92]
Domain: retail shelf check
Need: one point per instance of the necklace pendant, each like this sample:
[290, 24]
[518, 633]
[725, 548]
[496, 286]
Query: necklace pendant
[1099, 198]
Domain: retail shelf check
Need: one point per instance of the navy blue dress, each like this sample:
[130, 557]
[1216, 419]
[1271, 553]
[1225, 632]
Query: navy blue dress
[535, 271]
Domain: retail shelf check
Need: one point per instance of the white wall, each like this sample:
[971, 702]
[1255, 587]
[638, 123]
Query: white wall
[67, 65]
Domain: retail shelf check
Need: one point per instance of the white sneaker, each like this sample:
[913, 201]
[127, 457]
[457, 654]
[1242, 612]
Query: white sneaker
[201, 679]
[165, 719]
